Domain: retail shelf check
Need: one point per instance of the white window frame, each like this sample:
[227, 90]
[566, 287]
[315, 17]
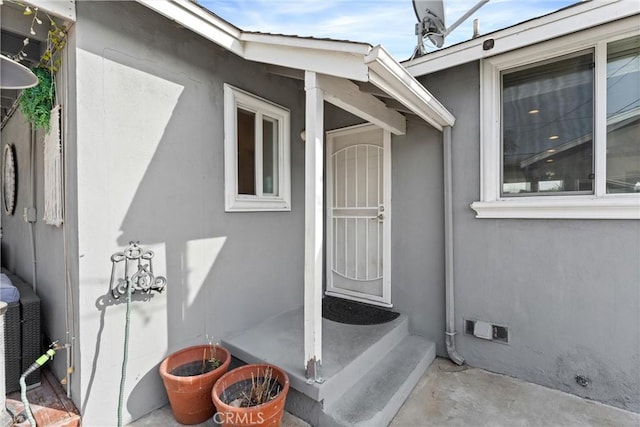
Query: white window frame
[235, 98]
[598, 205]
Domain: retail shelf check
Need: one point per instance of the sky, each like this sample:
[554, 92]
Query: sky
[386, 22]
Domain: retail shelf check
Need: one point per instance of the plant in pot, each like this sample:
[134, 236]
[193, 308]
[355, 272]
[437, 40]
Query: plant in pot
[251, 395]
[188, 376]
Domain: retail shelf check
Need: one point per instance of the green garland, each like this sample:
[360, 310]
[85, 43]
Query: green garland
[36, 102]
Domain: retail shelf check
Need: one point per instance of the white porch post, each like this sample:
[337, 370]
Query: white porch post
[313, 224]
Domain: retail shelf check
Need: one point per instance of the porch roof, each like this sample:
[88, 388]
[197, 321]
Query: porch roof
[356, 73]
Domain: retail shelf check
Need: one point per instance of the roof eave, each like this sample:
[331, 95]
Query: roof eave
[343, 59]
[193, 17]
[387, 74]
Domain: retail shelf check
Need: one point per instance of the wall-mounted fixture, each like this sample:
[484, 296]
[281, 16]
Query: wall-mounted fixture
[137, 273]
[138, 276]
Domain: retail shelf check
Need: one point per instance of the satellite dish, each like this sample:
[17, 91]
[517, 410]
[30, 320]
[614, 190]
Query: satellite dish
[431, 23]
[14, 75]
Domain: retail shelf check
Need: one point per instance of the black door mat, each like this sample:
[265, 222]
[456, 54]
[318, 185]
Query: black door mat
[355, 313]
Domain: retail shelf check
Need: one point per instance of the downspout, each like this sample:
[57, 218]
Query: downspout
[450, 333]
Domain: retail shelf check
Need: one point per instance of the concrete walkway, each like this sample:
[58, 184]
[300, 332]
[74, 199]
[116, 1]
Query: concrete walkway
[449, 395]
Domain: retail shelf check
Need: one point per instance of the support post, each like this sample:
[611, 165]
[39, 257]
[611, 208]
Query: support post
[5, 418]
[313, 220]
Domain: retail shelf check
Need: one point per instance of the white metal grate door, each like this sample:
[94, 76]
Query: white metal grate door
[357, 217]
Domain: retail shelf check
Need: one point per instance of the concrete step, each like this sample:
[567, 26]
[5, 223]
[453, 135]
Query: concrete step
[348, 351]
[353, 372]
[376, 398]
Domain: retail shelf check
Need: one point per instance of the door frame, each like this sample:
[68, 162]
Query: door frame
[385, 300]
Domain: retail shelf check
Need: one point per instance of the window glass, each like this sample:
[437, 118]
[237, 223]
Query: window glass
[246, 152]
[547, 127]
[623, 116]
[269, 155]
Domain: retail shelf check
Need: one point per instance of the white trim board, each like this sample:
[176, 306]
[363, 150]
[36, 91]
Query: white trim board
[573, 19]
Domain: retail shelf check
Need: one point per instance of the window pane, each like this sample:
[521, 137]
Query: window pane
[623, 116]
[547, 128]
[270, 156]
[246, 152]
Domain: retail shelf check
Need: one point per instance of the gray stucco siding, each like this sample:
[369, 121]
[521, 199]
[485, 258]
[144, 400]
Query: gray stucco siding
[417, 233]
[568, 290]
[151, 169]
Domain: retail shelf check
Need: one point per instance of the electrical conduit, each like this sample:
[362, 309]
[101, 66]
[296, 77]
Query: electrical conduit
[32, 154]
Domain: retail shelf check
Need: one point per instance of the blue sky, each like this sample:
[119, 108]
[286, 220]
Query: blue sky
[386, 22]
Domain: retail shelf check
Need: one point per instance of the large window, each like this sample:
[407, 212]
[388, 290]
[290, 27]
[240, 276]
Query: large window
[561, 128]
[547, 128]
[623, 116]
[257, 166]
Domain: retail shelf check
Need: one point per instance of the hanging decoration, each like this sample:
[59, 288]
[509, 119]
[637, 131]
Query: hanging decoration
[53, 209]
[37, 102]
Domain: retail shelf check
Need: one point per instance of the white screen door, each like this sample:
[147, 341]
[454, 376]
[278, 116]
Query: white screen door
[358, 216]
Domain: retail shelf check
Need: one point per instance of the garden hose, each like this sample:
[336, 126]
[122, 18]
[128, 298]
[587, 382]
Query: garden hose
[126, 351]
[23, 383]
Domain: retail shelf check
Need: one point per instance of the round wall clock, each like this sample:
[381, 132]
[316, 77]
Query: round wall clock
[9, 175]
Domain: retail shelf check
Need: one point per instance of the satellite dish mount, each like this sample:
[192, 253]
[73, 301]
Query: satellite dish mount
[431, 22]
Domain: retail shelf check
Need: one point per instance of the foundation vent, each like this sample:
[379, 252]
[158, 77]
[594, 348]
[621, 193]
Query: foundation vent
[486, 331]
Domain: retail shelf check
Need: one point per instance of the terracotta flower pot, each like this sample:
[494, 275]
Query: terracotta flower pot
[233, 383]
[190, 396]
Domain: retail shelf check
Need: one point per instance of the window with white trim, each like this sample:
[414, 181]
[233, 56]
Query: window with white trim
[256, 143]
[561, 128]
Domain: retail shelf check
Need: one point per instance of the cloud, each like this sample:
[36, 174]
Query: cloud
[387, 22]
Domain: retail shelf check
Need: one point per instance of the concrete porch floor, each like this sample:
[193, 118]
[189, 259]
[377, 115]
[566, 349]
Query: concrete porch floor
[449, 395]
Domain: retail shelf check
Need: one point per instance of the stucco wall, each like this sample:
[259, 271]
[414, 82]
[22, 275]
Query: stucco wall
[568, 290]
[150, 169]
[417, 247]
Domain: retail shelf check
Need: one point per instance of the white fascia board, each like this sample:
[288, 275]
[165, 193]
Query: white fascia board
[347, 95]
[199, 21]
[340, 64]
[355, 48]
[571, 20]
[65, 9]
[387, 74]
